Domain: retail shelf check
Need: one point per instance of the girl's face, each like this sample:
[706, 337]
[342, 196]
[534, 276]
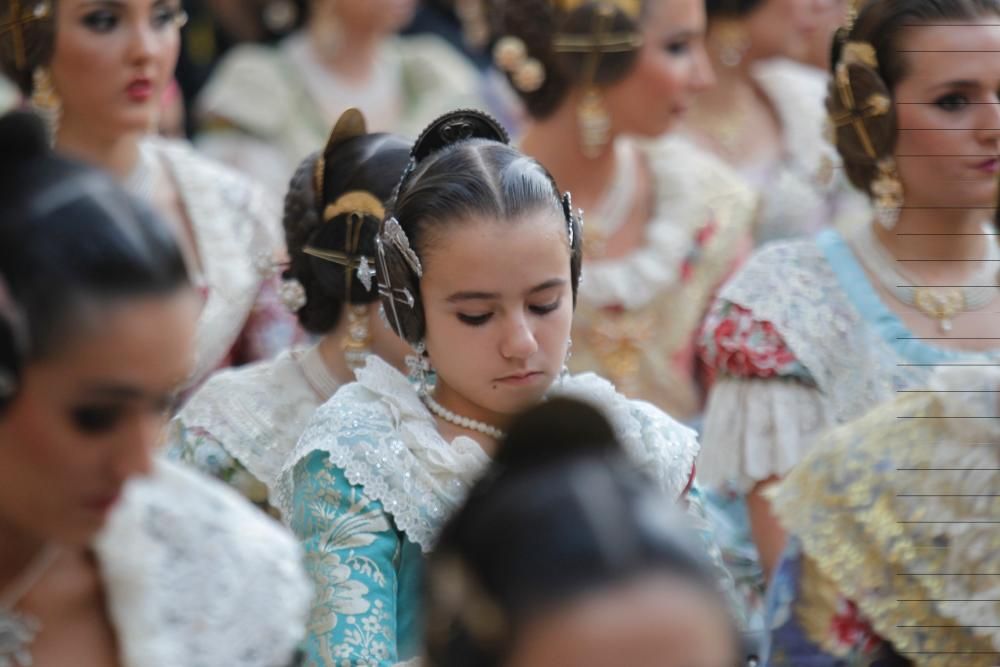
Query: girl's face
[659, 621]
[498, 306]
[671, 68]
[948, 115]
[113, 60]
[87, 418]
[782, 28]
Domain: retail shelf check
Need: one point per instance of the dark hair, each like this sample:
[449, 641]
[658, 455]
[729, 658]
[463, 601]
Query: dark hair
[36, 24]
[560, 514]
[538, 22]
[69, 237]
[469, 172]
[731, 8]
[369, 162]
[880, 23]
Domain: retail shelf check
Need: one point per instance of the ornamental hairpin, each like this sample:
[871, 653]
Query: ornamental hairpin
[19, 17]
[393, 233]
[356, 205]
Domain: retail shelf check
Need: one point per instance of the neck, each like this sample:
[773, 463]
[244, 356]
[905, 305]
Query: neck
[555, 143]
[941, 236]
[115, 154]
[348, 53]
[332, 354]
[462, 407]
[734, 87]
[19, 548]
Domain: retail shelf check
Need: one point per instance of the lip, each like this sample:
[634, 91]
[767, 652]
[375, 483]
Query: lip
[518, 379]
[991, 166]
[139, 89]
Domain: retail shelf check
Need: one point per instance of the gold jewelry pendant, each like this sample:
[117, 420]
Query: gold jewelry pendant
[941, 306]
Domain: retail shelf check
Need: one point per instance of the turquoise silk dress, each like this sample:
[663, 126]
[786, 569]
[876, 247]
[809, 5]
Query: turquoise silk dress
[798, 342]
[370, 483]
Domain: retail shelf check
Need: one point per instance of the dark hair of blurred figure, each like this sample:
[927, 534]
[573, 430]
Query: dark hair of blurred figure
[564, 551]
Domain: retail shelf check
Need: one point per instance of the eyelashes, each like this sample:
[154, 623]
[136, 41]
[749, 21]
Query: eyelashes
[480, 320]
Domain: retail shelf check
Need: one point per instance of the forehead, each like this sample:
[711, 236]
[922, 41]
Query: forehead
[501, 252]
[967, 51]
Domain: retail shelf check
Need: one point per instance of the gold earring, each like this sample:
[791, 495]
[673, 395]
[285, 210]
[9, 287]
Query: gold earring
[45, 100]
[887, 190]
[357, 343]
[595, 123]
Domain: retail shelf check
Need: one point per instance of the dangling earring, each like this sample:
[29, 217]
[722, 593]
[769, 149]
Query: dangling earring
[595, 123]
[45, 99]
[733, 42]
[357, 343]
[887, 190]
[569, 355]
[420, 368]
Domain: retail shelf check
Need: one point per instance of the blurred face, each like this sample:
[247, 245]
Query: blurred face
[670, 69]
[498, 307]
[656, 622]
[949, 115]
[781, 28]
[87, 418]
[828, 15]
[381, 17]
[112, 61]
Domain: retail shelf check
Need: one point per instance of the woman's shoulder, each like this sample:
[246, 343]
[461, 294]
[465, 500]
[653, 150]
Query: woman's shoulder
[252, 89]
[192, 571]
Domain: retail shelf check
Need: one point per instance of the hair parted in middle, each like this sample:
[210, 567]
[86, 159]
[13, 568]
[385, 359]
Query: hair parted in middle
[461, 167]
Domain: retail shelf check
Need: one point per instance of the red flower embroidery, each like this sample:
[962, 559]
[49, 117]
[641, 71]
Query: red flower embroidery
[741, 346]
[852, 631]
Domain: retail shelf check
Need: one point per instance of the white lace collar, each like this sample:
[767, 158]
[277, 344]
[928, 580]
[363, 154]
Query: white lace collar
[195, 576]
[688, 182]
[378, 431]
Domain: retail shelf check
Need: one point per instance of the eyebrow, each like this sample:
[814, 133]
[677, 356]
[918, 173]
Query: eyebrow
[119, 392]
[958, 83]
[486, 296]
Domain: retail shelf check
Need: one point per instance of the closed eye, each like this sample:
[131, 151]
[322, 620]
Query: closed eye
[474, 320]
[547, 308]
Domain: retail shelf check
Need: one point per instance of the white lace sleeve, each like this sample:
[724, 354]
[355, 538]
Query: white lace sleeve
[656, 442]
[197, 577]
[755, 428]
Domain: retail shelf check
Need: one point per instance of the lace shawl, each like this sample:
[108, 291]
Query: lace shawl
[896, 509]
[256, 413]
[235, 225]
[194, 576]
[380, 433]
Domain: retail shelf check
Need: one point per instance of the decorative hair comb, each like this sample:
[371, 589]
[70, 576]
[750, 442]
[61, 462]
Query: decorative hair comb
[457, 126]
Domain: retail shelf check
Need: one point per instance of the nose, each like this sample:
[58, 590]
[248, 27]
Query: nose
[989, 125]
[133, 452]
[145, 42]
[518, 338]
[703, 76]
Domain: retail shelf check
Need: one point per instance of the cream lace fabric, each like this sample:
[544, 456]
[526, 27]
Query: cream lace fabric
[256, 413]
[194, 576]
[378, 431]
[898, 510]
[808, 190]
[235, 227]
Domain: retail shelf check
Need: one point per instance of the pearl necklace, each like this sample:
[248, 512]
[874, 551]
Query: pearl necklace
[17, 630]
[941, 304]
[458, 420]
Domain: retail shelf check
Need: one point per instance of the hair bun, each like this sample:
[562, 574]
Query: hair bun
[22, 137]
[457, 126]
[558, 429]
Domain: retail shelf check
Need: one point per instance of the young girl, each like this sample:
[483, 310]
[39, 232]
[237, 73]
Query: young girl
[109, 557]
[813, 333]
[97, 72]
[243, 422]
[478, 263]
